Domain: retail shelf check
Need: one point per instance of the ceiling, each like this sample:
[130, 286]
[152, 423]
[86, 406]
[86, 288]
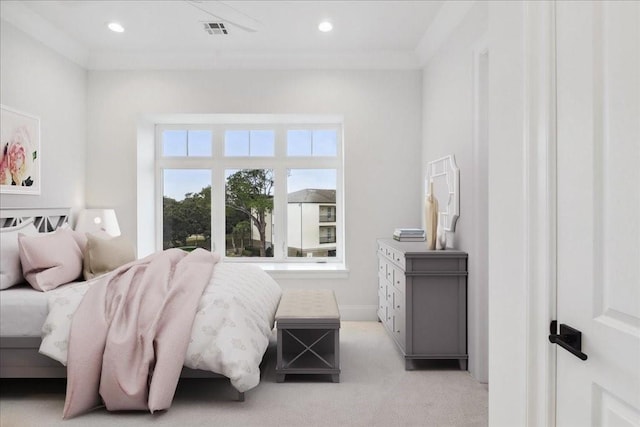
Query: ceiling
[270, 34]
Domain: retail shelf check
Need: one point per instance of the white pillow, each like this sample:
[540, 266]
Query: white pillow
[10, 267]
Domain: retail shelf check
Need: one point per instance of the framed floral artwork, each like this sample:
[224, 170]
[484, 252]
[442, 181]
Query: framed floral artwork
[19, 152]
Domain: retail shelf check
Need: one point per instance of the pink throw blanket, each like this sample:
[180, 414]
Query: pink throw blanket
[130, 333]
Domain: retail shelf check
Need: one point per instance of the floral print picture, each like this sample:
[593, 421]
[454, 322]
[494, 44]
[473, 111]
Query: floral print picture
[19, 152]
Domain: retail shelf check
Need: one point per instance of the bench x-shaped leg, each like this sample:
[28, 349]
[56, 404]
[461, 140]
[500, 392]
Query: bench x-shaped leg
[308, 348]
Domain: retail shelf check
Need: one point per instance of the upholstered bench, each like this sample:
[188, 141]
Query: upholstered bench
[308, 324]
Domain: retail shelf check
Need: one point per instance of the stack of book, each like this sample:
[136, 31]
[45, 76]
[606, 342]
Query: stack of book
[409, 234]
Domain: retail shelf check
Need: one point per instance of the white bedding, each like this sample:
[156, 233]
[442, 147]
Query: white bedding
[231, 329]
[23, 311]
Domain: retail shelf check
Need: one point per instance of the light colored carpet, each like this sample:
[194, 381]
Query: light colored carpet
[374, 390]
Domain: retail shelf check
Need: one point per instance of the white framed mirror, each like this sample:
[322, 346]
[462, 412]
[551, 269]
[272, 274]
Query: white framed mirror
[445, 175]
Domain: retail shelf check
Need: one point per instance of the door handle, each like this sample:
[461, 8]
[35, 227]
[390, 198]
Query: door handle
[569, 338]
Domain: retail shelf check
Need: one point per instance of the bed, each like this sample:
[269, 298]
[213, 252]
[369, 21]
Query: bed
[237, 294]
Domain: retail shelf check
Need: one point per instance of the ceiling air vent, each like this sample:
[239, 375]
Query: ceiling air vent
[215, 28]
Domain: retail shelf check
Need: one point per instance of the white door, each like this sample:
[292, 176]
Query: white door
[598, 201]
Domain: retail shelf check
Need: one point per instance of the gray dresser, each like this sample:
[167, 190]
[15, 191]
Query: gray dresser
[422, 297]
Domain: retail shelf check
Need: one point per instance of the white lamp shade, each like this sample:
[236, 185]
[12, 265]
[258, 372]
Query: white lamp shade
[94, 220]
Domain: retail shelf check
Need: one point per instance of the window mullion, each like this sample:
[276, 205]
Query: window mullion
[340, 243]
[218, 208]
[280, 213]
[280, 196]
[218, 191]
[159, 190]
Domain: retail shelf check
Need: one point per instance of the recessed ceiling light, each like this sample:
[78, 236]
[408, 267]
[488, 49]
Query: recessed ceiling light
[115, 27]
[325, 26]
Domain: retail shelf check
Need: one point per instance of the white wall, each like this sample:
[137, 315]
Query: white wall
[382, 135]
[38, 81]
[449, 128]
[508, 293]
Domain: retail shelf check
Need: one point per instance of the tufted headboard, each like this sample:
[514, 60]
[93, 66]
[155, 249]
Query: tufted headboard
[44, 219]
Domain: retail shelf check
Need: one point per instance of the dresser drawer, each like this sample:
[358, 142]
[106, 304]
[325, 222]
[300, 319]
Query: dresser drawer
[382, 301]
[399, 279]
[398, 303]
[399, 330]
[399, 317]
[382, 267]
[386, 269]
[398, 258]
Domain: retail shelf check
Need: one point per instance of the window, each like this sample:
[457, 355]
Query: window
[249, 213]
[252, 192]
[253, 143]
[327, 234]
[314, 143]
[186, 209]
[311, 193]
[186, 143]
[327, 213]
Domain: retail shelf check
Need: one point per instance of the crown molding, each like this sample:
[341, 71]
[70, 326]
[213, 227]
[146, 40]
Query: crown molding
[29, 22]
[382, 60]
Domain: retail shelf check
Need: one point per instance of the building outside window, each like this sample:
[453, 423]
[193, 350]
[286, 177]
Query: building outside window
[306, 238]
[251, 191]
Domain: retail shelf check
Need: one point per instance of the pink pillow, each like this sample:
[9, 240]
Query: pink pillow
[50, 260]
[78, 236]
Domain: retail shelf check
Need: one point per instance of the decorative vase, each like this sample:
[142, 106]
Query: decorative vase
[441, 236]
[431, 218]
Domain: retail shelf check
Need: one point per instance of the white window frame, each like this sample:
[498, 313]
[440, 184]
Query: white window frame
[279, 163]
